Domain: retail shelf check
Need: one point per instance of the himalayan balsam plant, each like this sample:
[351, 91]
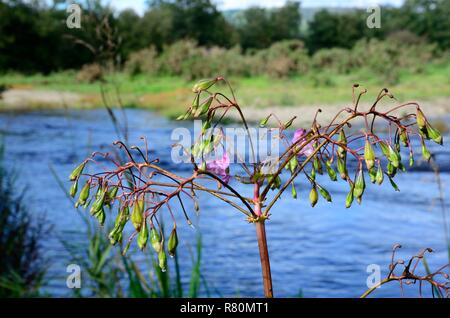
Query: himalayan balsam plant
[143, 188]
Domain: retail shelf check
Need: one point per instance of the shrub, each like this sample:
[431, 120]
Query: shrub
[90, 73]
[143, 62]
[336, 60]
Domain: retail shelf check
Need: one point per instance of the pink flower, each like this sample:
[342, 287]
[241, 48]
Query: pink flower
[220, 167]
[300, 138]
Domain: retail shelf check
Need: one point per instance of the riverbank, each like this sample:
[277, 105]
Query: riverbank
[258, 96]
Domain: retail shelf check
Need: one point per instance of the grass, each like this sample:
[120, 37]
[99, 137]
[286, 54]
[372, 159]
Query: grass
[171, 95]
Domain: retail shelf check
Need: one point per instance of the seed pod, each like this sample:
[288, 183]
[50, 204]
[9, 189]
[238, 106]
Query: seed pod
[206, 126]
[373, 174]
[394, 158]
[380, 176]
[293, 164]
[205, 107]
[331, 172]
[404, 137]
[385, 149]
[425, 152]
[317, 164]
[173, 242]
[155, 239]
[264, 121]
[349, 198]
[411, 159]
[98, 204]
[195, 103]
[360, 185]
[421, 121]
[342, 140]
[435, 135]
[101, 216]
[313, 196]
[342, 168]
[369, 155]
[112, 193]
[294, 191]
[313, 173]
[203, 85]
[143, 235]
[391, 170]
[74, 188]
[84, 194]
[324, 193]
[77, 172]
[162, 260]
[288, 124]
[137, 215]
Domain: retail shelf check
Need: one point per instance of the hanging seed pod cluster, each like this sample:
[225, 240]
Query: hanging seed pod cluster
[143, 188]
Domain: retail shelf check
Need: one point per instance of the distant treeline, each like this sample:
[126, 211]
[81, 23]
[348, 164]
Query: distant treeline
[34, 36]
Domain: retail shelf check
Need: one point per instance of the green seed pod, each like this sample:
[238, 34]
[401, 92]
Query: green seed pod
[143, 235]
[74, 189]
[313, 196]
[205, 107]
[425, 152]
[380, 176]
[313, 173]
[173, 242]
[421, 121]
[112, 193]
[84, 194]
[206, 126]
[203, 85]
[394, 158]
[293, 164]
[349, 199]
[98, 204]
[162, 260]
[360, 185]
[373, 174]
[385, 149]
[137, 216]
[294, 191]
[317, 164]
[369, 155]
[101, 216]
[391, 170]
[77, 172]
[404, 137]
[264, 121]
[435, 135]
[324, 193]
[342, 140]
[342, 167]
[155, 239]
[195, 103]
[331, 173]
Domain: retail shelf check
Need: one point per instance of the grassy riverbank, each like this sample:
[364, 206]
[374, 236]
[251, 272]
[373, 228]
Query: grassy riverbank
[171, 95]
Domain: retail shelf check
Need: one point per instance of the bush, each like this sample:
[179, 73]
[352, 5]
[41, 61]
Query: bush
[90, 73]
[143, 62]
[387, 58]
[336, 60]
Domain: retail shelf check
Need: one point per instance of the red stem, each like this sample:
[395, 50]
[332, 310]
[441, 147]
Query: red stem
[262, 244]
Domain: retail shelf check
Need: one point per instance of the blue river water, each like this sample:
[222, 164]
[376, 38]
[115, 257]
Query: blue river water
[315, 252]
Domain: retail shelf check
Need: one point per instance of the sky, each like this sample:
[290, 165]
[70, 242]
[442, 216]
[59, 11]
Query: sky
[139, 5]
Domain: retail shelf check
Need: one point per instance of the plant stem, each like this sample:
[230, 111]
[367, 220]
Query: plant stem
[265, 261]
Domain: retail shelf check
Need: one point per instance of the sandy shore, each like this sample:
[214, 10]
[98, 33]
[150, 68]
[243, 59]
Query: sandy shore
[25, 99]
